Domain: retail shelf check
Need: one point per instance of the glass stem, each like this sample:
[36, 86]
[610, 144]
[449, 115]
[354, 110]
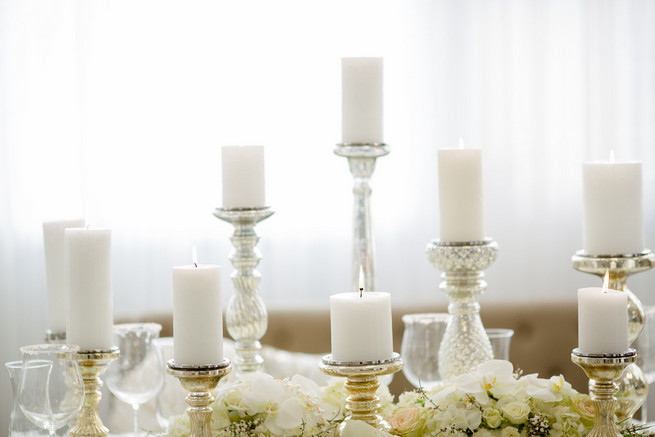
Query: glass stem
[135, 407]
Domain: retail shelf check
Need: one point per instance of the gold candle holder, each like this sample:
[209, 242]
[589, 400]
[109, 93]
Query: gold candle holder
[603, 370]
[199, 381]
[92, 364]
[362, 383]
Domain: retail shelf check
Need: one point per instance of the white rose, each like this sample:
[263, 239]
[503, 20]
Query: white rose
[492, 417]
[510, 431]
[516, 411]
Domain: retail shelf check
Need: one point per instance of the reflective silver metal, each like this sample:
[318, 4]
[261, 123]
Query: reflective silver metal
[362, 384]
[633, 386]
[246, 317]
[51, 336]
[361, 161]
[465, 343]
[603, 371]
[199, 381]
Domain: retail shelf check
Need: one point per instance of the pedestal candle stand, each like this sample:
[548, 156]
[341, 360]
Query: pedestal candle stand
[246, 317]
[361, 161]
[465, 343]
[633, 386]
[362, 383]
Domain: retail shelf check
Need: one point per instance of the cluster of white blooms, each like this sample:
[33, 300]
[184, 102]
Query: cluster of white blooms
[493, 402]
[490, 402]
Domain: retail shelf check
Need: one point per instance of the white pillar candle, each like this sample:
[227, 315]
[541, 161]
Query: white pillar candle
[602, 321]
[197, 318]
[361, 326]
[55, 266]
[460, 195]
[90, 318]
[361, 100]
[243, 177]
[613, 215]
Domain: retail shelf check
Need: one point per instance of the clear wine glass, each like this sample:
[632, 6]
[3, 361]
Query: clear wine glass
[138, 374]
[420, 348]
[51, 390]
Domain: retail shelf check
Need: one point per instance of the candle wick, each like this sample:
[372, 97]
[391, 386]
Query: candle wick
[360, 291]
[195, 264]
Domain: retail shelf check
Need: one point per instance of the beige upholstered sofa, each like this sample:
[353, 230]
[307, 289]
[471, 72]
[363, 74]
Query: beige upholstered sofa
[545, 333]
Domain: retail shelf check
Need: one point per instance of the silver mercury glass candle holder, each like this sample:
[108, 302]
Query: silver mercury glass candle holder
[362, 384]
[92, 364]
[199, 381]
[246, 317]
[633, 385]
[465, 343]
[361, 161]
[603, 371]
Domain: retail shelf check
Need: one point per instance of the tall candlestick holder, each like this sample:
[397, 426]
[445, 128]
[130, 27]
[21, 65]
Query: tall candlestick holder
[633, 385]
[362, 384]
[361, 162]
[246, 317]
[603, 371]
[199, 381]
[92, 365]
[465, 343]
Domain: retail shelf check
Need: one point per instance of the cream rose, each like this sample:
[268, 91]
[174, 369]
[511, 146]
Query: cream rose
[583, 405]
[492, 417]
[510, 431]
[516, 411]
[407, 421]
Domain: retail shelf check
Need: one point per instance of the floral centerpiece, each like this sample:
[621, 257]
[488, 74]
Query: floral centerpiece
[491, 402]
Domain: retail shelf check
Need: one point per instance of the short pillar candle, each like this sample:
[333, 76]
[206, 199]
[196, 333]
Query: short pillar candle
[361, 326]
[613, 212]
[197, 315]
[460, 195]
[243, 177]
[602, 321]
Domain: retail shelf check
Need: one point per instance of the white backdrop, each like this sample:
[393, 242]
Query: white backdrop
[116, 111]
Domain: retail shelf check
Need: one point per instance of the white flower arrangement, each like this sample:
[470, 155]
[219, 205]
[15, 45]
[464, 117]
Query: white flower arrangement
[491, 402]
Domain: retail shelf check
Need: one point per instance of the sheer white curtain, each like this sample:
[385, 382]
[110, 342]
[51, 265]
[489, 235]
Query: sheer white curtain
[116, 111]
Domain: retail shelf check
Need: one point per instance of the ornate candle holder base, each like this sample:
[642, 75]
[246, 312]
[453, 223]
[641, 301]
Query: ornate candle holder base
[465, 343]
[361, 162]
[199, 381]
[603, 372]
[92, 364]
[362, 382]
[633, 385]
[246, 317]
[51, 336]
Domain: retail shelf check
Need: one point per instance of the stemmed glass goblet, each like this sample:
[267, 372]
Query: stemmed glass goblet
[420, 348]
[51, 390]
[138, 374]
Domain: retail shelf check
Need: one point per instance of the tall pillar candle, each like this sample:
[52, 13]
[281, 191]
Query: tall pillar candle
[90, 317]
[243, 177]
[197, 318]
[361, 326]
[361, 100]
[613, 212]
[460, 195]
[602, 321]
[55, 265]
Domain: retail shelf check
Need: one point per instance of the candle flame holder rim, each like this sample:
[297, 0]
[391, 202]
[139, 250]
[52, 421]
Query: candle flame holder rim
[487, 241]
[362, 150]
[243, 215]
[582, 254]
[98, 354]
[203, 369]
[628, 356]
[327, 360]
